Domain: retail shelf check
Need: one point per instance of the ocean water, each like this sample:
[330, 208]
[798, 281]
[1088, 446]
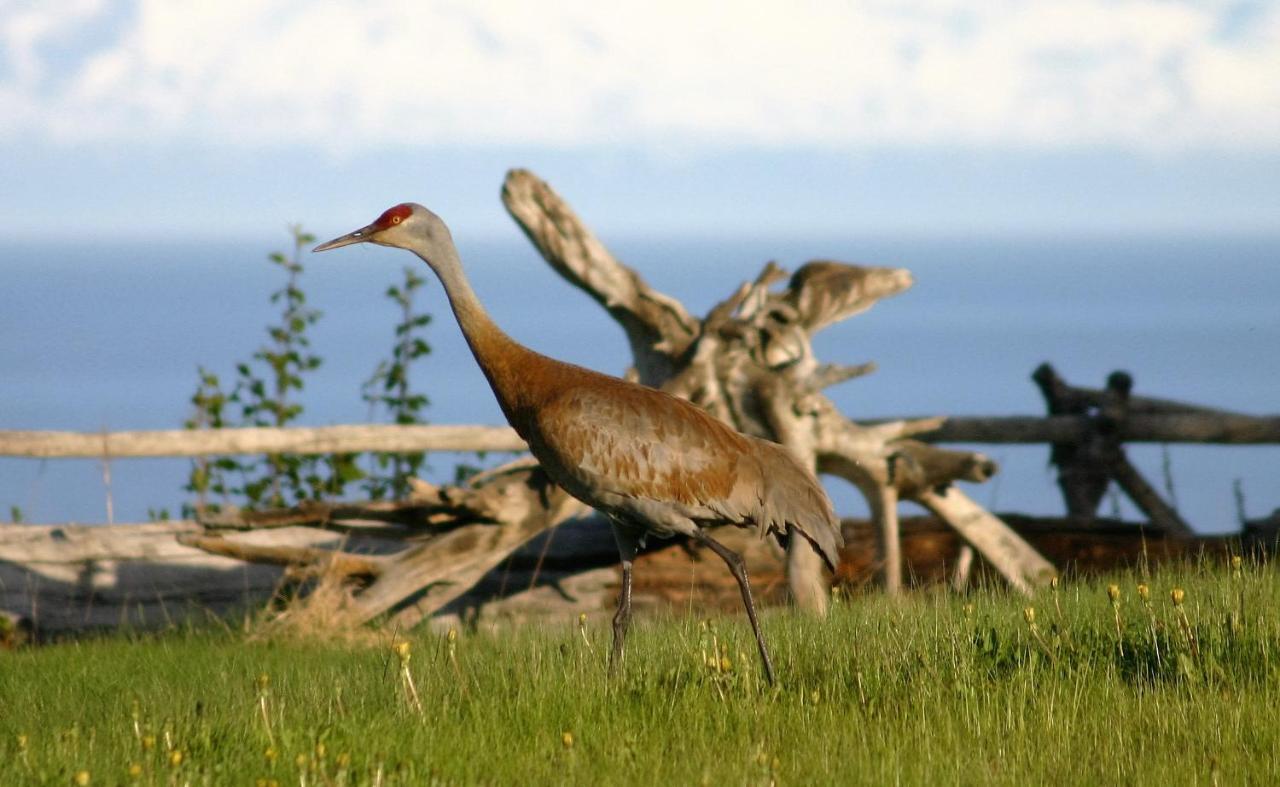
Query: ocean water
[108, 337]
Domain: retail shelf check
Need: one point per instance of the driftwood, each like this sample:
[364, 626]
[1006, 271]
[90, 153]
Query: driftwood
[72, 578]
[750, 362]
[463, 533]
[60, 580]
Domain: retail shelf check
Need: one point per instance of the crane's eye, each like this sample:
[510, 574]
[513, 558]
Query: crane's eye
[395, 215]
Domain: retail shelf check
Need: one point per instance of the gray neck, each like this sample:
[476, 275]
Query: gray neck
[471, 314]
[495, 352]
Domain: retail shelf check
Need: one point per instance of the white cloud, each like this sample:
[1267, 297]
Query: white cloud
[665, 73]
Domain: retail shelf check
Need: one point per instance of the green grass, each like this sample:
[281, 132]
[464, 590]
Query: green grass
[933, 689]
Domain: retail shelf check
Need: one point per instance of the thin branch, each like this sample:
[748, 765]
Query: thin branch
[829, 374]
[340, 563]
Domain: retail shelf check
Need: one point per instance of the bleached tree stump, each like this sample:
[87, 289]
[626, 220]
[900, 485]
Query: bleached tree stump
[750, 362]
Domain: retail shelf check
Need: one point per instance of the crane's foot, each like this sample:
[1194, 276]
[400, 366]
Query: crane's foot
[738, 567]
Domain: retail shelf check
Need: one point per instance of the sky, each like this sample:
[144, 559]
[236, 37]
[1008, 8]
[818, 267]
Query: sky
[231, 118]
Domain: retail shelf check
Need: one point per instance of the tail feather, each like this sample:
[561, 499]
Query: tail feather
[794, 500]
[826, 541]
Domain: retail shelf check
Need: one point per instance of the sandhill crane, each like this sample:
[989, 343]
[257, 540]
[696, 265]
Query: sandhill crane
[651, 462]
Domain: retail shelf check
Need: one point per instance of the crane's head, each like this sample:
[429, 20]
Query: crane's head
[406, 226]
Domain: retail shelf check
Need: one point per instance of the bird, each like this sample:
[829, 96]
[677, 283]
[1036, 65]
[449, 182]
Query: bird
[652, 463]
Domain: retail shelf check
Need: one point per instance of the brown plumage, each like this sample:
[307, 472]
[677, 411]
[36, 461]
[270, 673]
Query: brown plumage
[653, 463]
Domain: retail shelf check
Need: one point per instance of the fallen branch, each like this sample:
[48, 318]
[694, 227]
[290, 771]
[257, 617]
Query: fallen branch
[1019, 563]
[302, 559]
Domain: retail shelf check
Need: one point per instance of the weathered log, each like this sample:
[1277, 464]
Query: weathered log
[73, 577]
[428, 509]
[261, 440]
[1227, 429]
[991, 537]
[677, 577]
[463, 533]
[499, 511]
[35, 545]
[932, 548]
[309, 560]
[97, 576]
[375, 517]
[932, 551]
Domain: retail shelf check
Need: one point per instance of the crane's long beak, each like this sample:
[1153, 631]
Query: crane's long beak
[359, 236]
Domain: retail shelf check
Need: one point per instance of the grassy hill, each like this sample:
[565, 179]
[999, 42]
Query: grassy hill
[1087, 683]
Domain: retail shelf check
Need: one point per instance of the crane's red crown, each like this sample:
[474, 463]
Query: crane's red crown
[393, 216]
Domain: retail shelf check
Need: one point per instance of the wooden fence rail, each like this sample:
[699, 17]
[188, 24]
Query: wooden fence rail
[292, 440]
[1172, 428]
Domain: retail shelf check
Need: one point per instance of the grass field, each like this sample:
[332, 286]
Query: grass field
[1070, 687]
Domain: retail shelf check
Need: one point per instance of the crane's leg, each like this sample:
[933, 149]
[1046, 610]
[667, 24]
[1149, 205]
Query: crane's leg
[738, 568]
[627, 546]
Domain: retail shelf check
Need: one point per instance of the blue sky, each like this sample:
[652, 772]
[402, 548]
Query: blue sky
[127, 119]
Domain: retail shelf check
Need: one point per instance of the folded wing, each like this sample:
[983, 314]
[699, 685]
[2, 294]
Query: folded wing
[642, 454]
